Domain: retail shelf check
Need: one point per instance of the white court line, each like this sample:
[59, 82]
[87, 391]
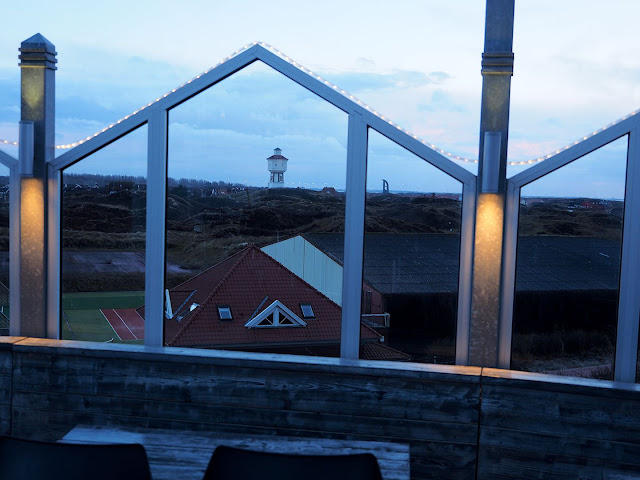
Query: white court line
[125, 324]
[114, 330]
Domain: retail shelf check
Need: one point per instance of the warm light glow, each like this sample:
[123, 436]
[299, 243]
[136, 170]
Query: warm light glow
[32, 222]
[486, 274]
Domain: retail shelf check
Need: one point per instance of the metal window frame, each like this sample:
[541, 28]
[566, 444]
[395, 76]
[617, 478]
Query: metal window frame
[360, 119]
[14, 240]
[629, 301]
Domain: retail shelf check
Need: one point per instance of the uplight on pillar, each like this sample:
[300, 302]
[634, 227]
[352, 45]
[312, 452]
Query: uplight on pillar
[26, 149]
[491, 162]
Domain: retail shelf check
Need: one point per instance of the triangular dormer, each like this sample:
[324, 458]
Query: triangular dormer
[275, 315]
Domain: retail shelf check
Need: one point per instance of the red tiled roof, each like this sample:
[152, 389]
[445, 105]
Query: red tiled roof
[242, 282]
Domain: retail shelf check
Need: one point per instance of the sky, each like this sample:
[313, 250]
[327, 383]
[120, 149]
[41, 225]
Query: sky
[577, 68]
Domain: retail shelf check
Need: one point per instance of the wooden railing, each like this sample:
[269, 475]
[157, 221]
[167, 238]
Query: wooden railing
[460, 422]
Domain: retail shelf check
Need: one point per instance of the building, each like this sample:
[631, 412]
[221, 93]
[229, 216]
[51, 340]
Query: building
[253, 303]
[277, 165]
[575, 278]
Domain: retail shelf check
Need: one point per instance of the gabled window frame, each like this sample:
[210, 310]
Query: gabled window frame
[276, 308]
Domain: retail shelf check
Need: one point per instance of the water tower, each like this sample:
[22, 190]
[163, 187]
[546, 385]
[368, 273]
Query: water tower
[277, 165]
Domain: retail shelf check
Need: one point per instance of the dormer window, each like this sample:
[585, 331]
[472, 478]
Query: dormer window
[307, 310]
[224, 312]
[274, 316]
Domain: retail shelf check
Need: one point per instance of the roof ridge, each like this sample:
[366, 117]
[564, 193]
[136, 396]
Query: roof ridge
[177, 287]
[242, 254]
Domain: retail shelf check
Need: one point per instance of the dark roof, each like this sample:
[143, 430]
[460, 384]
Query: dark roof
[277, 157]
[242, 282]
[4, 295]
[380, 351]
[428, 263]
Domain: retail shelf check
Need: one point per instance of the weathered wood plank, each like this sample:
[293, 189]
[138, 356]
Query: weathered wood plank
[388, 397]
[606, 418]
[171, 452]
[6, 381]
[256, 361]
[513, 463]
[557, 383]
[620, 452]
[536, 427]
[228, 414]
[443, 460]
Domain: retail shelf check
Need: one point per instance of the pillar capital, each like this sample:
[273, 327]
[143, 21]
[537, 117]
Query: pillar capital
[497, 63]
[37, 51]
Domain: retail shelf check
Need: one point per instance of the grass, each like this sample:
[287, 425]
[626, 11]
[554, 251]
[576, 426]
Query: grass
[574, 353]
[82, 319]
[92, 300]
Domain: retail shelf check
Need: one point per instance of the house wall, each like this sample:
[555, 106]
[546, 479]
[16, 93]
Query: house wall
[310, 264]
[458, 421]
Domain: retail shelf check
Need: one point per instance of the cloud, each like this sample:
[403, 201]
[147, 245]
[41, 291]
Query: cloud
[441, 101]
[398, 79]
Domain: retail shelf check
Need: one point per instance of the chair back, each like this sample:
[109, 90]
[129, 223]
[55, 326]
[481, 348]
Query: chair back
[228, 463]
[34, 460]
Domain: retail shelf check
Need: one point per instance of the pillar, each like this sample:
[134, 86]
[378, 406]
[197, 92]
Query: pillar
[497, 69]
[37, 68]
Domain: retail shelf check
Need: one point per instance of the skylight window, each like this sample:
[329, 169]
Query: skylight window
[224, 311]
[307, 310]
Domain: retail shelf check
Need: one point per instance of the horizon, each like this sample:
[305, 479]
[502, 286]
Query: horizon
[102, 77]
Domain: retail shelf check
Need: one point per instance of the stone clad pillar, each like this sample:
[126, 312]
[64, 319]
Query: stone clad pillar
[497, 69]
[37, 68]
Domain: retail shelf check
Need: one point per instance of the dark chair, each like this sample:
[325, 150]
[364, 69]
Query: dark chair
[33, 460]
[229, 463]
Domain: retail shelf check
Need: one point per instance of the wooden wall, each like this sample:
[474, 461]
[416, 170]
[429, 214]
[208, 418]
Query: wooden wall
[460, 422]
[58, 385]
[6, 375]
[545, 427]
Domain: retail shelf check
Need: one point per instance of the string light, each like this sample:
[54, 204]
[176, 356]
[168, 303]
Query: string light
[345, 94]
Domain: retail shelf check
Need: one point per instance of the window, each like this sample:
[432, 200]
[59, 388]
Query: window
[4, 250]
[307, 311]
[104, 243]
[411, 252]
[275, 315]
[224, 311]
[568, 267]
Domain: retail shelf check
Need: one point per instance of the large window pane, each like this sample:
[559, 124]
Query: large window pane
[411, 252]
[103, 243]
[257, 169]
[4, 250]
[568, 267]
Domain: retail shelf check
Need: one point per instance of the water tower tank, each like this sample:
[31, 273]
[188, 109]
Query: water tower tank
[277, 165]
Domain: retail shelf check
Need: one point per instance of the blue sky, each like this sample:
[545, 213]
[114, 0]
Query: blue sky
[577, 68]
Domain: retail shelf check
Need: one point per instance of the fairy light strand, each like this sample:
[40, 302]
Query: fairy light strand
[347, 95]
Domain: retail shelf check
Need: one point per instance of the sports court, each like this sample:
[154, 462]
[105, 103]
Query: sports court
[126, 322]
